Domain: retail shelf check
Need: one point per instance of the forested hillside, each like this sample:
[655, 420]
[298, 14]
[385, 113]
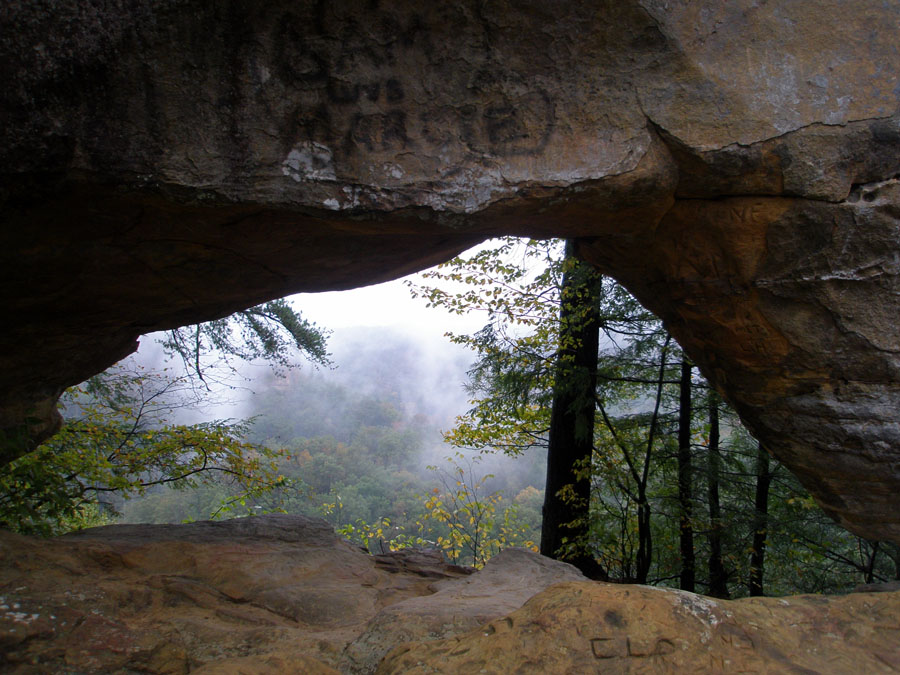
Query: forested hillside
[360, 444]
[399, 441]
[652, 478]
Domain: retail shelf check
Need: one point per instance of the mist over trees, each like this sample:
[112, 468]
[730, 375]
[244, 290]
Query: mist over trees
[399, 441]
[122, 436]
[646, 463]
[360, 444]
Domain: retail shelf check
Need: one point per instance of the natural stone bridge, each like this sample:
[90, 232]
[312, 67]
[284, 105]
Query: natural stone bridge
[733, 164]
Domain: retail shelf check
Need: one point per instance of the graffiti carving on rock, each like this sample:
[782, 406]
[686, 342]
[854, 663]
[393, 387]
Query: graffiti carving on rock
[357, 87]
[627, 647]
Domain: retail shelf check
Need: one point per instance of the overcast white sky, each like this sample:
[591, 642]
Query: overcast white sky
[388, 304]
[346, 314]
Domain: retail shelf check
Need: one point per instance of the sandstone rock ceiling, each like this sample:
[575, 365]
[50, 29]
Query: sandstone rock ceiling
[734, 164]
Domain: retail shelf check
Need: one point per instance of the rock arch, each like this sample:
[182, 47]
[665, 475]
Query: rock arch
[734, 164]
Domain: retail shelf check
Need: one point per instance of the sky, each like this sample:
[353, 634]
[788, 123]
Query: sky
[389, 304]
[387, 308]
[389, 312]
[436, 377]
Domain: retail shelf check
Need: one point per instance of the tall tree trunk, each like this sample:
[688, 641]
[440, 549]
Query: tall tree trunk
[644, 558]
[571, 437]
[872, 556]
[685, 478]
[893, 552]
[718, 578]
[760, 521]
[645, 533]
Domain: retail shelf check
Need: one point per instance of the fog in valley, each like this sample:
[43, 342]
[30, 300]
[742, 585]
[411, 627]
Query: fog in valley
[422, 378]
[361, 440]
[357, 437]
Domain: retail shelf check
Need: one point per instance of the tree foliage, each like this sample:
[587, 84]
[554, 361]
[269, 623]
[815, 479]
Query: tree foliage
[517, 287]
[471, 524]
[120, 439]
[273, 331]
[120, 436]
[459, 517]
[666, 470]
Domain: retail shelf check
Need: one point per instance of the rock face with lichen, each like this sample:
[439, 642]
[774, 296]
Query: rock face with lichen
[282, 594]
[734, 164]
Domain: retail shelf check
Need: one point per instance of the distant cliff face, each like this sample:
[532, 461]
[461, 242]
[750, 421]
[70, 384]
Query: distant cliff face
[282, 594]
[734, 164]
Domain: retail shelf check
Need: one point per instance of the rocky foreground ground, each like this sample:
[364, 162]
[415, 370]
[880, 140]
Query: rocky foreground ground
[283, 594]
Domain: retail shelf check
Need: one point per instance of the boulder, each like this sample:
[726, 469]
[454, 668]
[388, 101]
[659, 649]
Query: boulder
[457, 605]
[733, 164]
[282, 594]
[243, 595]
[587, 627]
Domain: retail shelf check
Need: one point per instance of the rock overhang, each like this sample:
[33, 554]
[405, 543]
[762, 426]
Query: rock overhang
[734, 165]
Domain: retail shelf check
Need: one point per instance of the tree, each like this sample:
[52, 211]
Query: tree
[685, 479]
[760, 522]
[119, 439]
[534, 376]
[648, 521]
[635, 437]
[540, 334]
[459, 516]
[718, 577]
[272, 331]
[517, 286]
[471, 524]
[570, 441]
